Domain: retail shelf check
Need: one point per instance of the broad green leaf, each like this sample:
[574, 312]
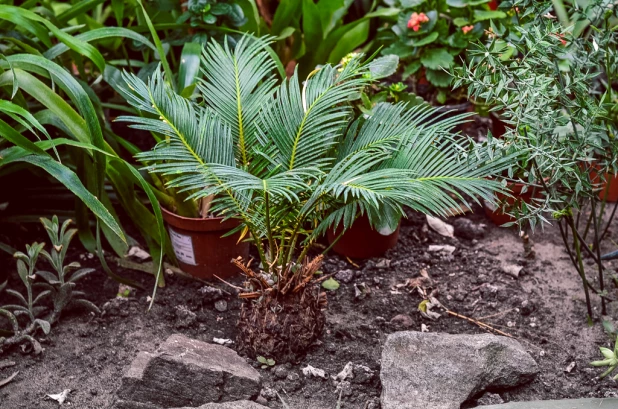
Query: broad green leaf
[411, 3]
[287, 11]
[331, 12]
[411, 68]
[383, 67]
[461, 21]
[438, 78]
[414, 42]
[350, 41]
[189, 65]
[482, 15]
[436, 58]
[285, 33]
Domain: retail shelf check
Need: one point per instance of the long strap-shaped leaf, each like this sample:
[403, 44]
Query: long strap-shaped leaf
[99, 34]
[27, 18]
[68, 178]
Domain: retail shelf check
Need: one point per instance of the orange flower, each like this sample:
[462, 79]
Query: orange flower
[561, 38]
[467, 29]
[416, 19]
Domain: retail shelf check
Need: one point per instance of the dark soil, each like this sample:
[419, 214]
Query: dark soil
[543, 308]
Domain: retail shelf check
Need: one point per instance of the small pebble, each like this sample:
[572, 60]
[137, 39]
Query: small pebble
[221, 306]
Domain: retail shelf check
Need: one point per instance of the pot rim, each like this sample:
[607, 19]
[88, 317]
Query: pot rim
[209, 224]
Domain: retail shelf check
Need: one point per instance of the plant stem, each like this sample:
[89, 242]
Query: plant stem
[334, 242]
[599, 264]
[269, 232]
[581, 266]
[609, 222]
[564, 233]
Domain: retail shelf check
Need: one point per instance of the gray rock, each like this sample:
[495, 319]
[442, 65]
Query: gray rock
[489, 398]
[185, 318]
[345, 276]
[221, 306]
[402, 321]
[559, 404]
[469, 230]
[441, 371]
[187, 372]
[210, 294]
[281, 371]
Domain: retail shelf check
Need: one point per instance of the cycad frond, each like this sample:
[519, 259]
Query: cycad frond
[188, 129]
[238, 83]
[301, 125]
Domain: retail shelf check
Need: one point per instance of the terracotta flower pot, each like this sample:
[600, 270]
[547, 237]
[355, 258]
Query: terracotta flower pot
[497, 215]
[199, 247]
[609, 187]
[361, 240]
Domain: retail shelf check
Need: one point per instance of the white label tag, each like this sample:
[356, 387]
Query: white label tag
[183, 248]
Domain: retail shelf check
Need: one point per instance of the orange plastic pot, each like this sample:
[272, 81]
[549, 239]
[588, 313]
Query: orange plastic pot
[609, 187]
[361, 240]
[497, 215]
[199, 247]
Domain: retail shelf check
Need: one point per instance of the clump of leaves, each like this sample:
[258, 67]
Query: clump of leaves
[429, 36]
[59, 286]
[211, 12]
[266, 362]
[611, 361]
[61, 282]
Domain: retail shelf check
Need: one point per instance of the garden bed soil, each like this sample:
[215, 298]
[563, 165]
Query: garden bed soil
[543, 308]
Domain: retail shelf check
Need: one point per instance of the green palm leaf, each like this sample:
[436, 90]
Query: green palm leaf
[237, 84]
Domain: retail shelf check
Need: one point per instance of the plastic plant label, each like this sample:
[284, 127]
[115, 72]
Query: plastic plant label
[183, 248]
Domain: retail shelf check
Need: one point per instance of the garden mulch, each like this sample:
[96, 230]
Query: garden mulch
[543, 308]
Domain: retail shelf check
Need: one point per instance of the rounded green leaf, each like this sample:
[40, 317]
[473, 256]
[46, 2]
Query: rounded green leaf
[436, 58]
[331, 284]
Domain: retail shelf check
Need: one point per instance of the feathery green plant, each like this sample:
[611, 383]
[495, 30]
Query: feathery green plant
[290, 160]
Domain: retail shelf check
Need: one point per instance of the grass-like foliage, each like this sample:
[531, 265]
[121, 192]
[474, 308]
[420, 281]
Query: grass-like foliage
[289, 159]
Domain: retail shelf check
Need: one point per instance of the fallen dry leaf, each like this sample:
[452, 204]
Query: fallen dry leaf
[60, 397]
[440, 227]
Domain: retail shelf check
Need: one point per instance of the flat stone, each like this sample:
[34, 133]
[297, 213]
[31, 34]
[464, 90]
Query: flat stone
[559, 404]
[441, 371]
[240, 404]
[186, 372]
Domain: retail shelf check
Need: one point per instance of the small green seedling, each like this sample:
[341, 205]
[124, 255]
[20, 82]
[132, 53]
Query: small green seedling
[611, 361]
[266, 362]
[331, 284]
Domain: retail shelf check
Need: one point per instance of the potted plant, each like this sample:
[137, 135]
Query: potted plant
[289, 160]
[557, 95]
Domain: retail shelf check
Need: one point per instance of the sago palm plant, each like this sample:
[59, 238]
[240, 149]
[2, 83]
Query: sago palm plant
[289, 160]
